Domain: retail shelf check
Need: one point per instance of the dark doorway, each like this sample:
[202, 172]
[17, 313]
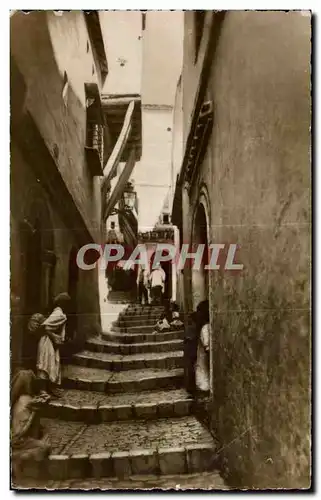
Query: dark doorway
[32, 270]
[33, 266]
[200, 278]
[73, 277]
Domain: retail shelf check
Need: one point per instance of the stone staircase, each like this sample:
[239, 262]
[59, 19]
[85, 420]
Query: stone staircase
[124, 411]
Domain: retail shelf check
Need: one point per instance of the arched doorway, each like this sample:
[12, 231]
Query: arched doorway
[200, 281]
[37, 265]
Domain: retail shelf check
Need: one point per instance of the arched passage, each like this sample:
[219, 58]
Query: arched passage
[37, 267]
[200, 276]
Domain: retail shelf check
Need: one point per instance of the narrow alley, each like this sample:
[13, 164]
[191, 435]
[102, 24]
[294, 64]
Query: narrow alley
[160, 249]
[124, 413]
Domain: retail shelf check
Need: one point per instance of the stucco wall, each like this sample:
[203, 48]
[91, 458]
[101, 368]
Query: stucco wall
[257, 174]
[122, 32]
[162, 56]
[44, 46]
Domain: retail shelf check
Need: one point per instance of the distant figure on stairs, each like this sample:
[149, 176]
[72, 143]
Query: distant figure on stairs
[114, 237]
[142, 284]
[157, 283]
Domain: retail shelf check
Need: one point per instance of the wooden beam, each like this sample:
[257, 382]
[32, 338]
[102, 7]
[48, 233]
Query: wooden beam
[119, 101]
[114, 159]
[118, 190]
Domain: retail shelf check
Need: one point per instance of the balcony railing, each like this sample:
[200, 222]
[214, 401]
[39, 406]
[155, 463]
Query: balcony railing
[95, 147]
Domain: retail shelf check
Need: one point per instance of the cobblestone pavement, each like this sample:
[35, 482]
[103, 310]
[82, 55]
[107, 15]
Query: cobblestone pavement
[78, 398]
[61, 433]
[203, 481]
[73, 437]
[117, 432]
[125, 436]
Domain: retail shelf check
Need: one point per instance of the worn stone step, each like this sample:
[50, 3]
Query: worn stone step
[211, 481]
[97, 407]
[100, 345]
[138, 310]
[121, 449]
[142, 328]
[126, 323]
[118, 362]
[138, 338]
[124, 315]
[95, 379]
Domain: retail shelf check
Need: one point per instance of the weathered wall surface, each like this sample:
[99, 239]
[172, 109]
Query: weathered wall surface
[257, 174]
[161, 72]
[123, 40]
[44, 47]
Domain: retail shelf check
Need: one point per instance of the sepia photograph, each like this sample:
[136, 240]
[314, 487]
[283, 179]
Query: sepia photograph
[160, 250]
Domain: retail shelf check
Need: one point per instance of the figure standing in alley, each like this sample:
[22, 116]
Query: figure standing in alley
[142, 284]
[195, 361]
[113, 238]
[202, 377]
[157, 283]
[48, 359]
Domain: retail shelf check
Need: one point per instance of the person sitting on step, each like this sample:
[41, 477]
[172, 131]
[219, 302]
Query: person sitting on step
[28, 442]
[176, 322]
[163, 324]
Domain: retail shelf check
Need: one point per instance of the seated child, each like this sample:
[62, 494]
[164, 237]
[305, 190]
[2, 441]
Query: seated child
[163, 324]
[176, 321]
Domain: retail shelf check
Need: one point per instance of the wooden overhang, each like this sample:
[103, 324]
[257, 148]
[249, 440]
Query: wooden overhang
[115, 108]
[115, 195]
